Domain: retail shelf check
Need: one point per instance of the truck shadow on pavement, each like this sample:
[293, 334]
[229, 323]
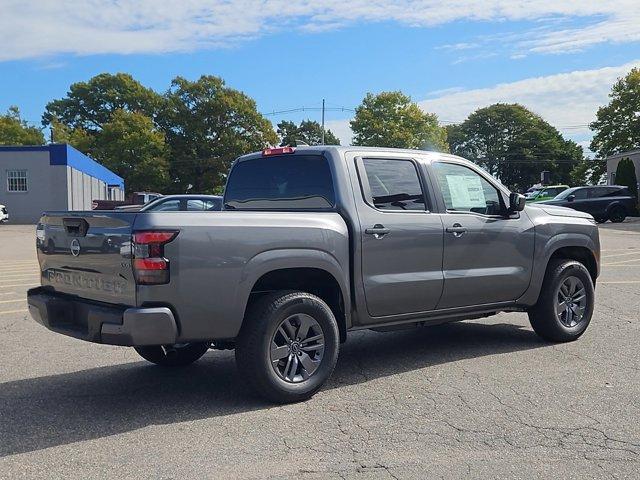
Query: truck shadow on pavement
[60, 409]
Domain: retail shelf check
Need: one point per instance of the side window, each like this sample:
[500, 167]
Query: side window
[599, 192]
[466, 191]
[195, 204]
[394, 184]
[17, 181]
[581, 193]
[168, 206]
[212, 205]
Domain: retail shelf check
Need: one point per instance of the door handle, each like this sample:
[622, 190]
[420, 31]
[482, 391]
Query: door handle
[378, 231]
[457, 230]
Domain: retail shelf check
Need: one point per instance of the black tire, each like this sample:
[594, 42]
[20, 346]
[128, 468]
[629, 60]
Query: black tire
[175, 355]
[602, 219]
[258, 334]
[544, 318]
[617, 214]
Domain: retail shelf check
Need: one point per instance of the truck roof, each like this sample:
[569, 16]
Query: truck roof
[424, 155]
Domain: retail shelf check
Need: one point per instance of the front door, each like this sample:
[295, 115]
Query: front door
[401, 239]
[488, 256]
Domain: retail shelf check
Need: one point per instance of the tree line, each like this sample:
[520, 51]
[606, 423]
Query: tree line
[186, 138]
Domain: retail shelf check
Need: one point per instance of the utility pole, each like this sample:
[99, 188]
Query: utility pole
[323, 121]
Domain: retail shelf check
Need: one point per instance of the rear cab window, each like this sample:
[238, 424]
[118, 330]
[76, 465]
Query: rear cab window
[286, 182]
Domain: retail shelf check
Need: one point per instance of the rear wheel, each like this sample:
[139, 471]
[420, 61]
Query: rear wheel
[177, 355]
[288, 346]
[566, 301]
[601, 219]
[617, 214]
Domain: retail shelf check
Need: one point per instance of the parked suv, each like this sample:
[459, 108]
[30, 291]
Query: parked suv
[314, 242]
[604, 202]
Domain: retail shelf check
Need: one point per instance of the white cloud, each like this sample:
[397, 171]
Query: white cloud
[84, 27]
[568, 101]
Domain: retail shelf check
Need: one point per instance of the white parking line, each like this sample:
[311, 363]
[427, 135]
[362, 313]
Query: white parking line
[622, 254]
[21, 285]
[623, 262]
[7, 293]
[619, 282]
[13, 311]
[17, 274]
[13, 301]
[621, 265]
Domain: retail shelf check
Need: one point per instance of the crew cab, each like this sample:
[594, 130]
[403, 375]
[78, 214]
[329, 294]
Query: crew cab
[312, 243]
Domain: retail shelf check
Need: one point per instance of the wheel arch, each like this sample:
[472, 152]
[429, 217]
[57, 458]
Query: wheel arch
[580, 247]
[579, 254]
[312, 271]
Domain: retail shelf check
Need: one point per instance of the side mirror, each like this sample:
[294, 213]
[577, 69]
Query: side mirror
[517, 202]
[571, 198]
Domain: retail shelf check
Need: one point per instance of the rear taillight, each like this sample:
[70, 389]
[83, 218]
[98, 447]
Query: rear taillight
[150, 266]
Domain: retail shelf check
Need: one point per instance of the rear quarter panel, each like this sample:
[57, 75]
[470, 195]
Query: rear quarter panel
[218, 256]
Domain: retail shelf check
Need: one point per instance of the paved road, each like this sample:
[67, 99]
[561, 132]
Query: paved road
[479, 399]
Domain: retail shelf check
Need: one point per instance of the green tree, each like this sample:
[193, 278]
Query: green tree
[207, 125]
[16, 131]
[309, 132]
[617, 124]
[515, 145]
[626, 175]
[391, 119]
[76, 137]
[89, 105]
[132, 147]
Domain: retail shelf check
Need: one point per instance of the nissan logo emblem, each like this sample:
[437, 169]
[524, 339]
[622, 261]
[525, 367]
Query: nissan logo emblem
[75, 247]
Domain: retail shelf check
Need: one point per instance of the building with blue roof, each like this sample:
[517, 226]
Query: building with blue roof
[34, 179]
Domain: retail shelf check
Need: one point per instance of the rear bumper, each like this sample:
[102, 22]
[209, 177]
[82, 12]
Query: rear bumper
[101, 323]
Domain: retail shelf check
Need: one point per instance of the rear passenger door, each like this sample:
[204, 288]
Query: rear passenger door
[401, 238]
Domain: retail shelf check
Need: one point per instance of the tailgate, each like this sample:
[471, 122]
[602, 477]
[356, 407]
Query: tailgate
[88, 254]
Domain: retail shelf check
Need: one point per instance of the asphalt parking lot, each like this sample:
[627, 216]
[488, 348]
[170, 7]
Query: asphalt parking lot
[476, 399]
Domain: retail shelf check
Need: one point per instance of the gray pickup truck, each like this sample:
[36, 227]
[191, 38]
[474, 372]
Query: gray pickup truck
[314, 242]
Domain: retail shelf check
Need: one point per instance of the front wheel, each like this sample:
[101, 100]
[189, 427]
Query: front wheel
[288, 346]
[177, 355]
[566, 302]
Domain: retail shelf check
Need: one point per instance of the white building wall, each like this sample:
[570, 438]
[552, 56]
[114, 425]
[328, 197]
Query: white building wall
[614, 160]
[46, 185]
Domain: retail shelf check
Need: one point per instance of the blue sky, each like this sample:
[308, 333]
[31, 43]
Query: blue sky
[559, 60]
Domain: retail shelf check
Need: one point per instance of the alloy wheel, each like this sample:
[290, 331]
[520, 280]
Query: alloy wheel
[297, 348]
[571, 301]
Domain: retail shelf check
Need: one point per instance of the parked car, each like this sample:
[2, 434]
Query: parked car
[604, 202]
[546, 193]
[135, 200]
[182, 203]
[4, 214]
[312, 243]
